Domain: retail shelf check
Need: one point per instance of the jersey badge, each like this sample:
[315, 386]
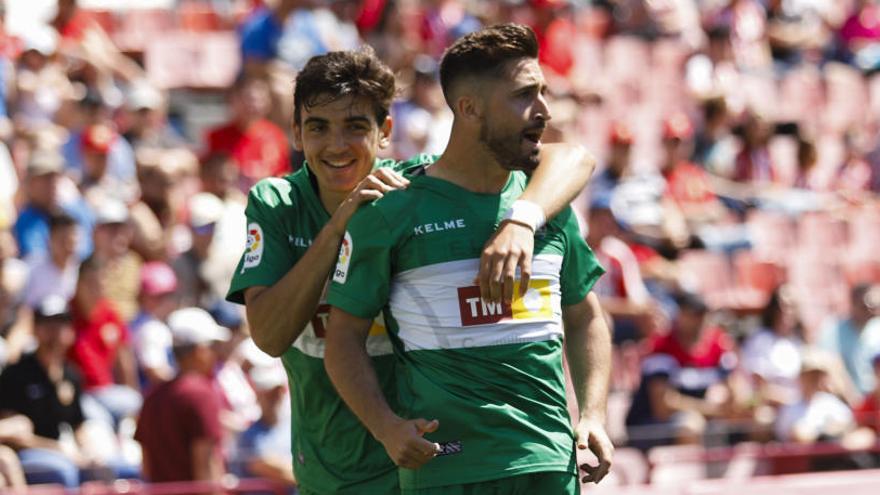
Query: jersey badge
[341, 272]
[253, 253]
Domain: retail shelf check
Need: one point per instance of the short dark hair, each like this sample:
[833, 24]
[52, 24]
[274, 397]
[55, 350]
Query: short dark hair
[59, 220]
[485, 53]
[335, 75]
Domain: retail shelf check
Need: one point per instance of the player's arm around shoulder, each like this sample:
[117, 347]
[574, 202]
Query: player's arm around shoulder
[562, 173]
[279, 312]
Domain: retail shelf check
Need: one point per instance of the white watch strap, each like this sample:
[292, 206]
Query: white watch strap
[526, 213]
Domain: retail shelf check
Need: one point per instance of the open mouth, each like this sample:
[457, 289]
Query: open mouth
[533, 135]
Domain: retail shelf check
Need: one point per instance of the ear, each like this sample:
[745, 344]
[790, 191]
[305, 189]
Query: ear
[469, 107]
[297, 137]
[385, 132]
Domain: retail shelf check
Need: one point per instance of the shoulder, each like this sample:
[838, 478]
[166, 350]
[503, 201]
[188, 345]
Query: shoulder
[274, 191]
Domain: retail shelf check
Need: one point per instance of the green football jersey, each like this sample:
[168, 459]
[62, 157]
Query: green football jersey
[490, 373]
[332, 451]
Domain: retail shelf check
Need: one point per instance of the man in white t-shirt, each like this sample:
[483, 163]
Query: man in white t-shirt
[150, 333]
[54, 273]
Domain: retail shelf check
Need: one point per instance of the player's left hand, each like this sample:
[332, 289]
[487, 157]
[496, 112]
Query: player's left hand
[591, 434]
[510, 247]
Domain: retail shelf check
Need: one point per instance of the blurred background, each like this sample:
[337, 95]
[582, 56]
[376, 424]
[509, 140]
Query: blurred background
[734, 207]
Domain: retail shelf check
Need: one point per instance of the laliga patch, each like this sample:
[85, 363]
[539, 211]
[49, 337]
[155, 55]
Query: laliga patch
[253, 253]
[340, 274]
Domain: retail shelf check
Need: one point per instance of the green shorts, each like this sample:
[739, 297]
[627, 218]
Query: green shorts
[525, 484]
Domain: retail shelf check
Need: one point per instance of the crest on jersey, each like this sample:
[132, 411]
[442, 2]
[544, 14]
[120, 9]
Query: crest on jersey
[340, 274]
[253, 253]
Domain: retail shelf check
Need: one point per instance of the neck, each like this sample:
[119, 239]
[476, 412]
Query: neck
[468, 164]
[59, 260]
[53, 364]
[331, 200]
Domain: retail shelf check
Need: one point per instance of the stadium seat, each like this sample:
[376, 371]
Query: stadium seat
[138, 29]
[757, 274]
[199, 17]
[676, 465]
[709, 274]
[772, 235]
[193, 60]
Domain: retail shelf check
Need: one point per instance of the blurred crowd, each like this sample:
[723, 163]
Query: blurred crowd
[735, 209]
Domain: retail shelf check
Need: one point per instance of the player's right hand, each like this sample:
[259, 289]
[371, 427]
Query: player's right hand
[372, 187]
[403, 441]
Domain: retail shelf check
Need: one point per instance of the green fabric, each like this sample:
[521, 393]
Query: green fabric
[502, 406]
[332, 451]
[555, 483]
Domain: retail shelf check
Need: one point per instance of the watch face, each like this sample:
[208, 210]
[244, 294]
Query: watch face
[65, 392]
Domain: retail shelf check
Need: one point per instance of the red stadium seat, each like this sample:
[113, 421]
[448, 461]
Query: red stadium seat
[772, 234]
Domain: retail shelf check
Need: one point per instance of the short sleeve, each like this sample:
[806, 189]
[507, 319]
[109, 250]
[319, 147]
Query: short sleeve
[267, 256]
[580, 268]
[362, 277]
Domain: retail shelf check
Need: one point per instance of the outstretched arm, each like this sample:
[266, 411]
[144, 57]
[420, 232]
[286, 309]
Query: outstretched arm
[563, 172]
[352, 373]
[588, 348]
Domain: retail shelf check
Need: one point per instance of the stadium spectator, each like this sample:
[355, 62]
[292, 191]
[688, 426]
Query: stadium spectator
[855, 338]
[621, 290]
[55, 272]
[422, 121]
[41, 82]
[98, 183]
[198, 275]
[684, 380]
[868, 411]
[120, 265]
[146, 120]
[260, 34]
[45, 389]
[219, 177]
[753, 164]
[149, 329]
[772, 355]
[264, 448]
[258, 146]
[179, 427]
[102, 350]
[818, 415]
[43, 187]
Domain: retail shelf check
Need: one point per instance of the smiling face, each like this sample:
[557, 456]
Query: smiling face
[515, 114]
[340, 140]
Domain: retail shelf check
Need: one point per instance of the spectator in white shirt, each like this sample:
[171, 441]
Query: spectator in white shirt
[55, 272]
[150, 332]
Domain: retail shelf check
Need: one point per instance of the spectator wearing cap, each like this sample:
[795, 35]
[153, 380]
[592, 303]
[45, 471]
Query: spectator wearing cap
[179, 426]
[621, 290]
[147, 120]
[93, 114]
[855, 338]
[617, 162]
[818, 415]
[423, 121]
[150, 332]
[45, 389]
[102, 347]
[43, 185]
[113, 236]
[264, 448]
[258, 146]
[98, 183]
[197, 274]
[41, 83]
[56, 272]
[684, 380]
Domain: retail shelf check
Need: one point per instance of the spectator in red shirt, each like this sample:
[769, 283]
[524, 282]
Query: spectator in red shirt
[684, 380]
[868, 412]
[686, 183]
[258, 146]
[101, 348]
[179, 427]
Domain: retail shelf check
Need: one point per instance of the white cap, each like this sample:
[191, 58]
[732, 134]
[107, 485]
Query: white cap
[142, 95]
[268, 377]
[40, 38]
[204, 209]
[110, 211]
[193, 326]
